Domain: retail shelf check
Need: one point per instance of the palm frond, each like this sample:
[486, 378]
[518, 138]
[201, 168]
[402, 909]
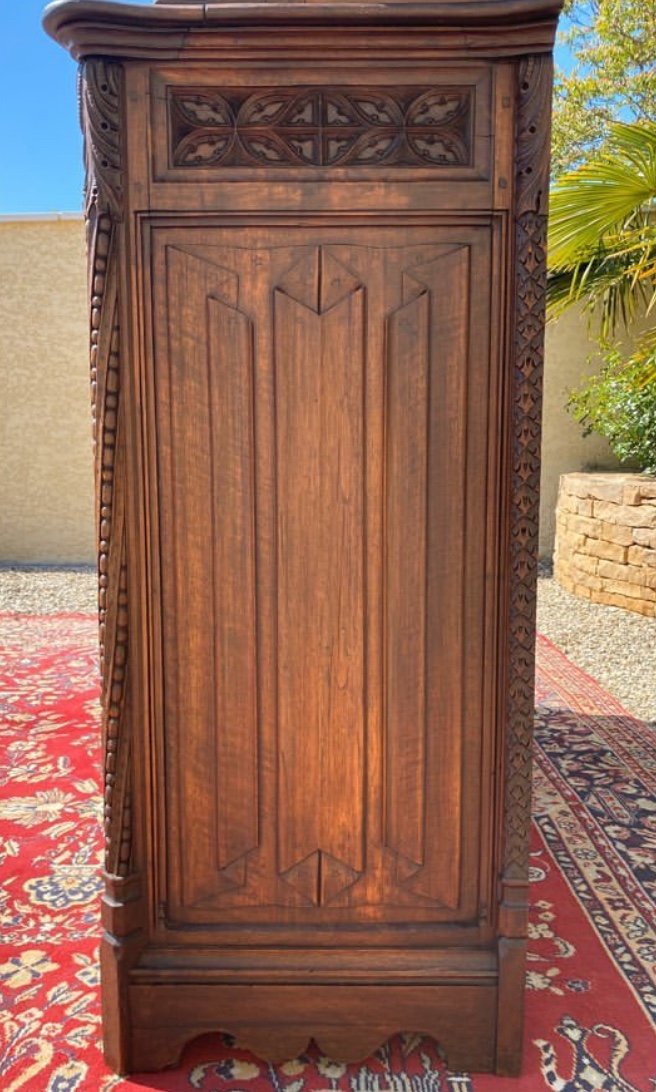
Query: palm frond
[602, 235]
[617, 189]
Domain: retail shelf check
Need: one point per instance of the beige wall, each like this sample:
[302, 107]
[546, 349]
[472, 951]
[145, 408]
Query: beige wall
[46, 482]
[569, 356]
[46, 488]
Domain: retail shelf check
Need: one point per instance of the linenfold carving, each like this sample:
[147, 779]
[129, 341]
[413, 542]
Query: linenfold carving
[530, 284]
[321, 127]
[100, 106]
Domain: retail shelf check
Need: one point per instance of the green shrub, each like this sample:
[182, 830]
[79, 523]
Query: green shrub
[619, 402]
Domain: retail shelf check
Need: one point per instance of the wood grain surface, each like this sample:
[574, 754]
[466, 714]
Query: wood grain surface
[316, 281]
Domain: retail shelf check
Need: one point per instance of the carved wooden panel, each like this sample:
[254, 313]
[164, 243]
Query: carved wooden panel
[321, 127]
[328, 375]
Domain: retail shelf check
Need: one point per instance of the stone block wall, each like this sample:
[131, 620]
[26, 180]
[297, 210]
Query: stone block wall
[606, 539]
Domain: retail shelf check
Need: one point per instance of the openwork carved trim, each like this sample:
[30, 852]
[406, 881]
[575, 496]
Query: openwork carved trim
[100, 107]
[530, 284]
[321, 127]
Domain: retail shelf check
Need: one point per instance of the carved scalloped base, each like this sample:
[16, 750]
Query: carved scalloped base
[277, 1022]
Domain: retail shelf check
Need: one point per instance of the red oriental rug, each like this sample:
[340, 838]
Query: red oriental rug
[591, 996]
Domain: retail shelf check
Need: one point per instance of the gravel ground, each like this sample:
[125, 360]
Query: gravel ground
[616, 647]
[48, 589]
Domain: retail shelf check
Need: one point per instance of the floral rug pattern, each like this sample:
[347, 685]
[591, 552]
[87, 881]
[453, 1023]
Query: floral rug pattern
[591, 976]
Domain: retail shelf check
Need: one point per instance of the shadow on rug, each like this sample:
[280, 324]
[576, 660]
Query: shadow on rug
[591, 999]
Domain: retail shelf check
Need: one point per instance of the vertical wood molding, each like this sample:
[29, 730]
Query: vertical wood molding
[428, 362]
[100, 109]
[208, 519]
[406, 517]
[319, 348]
[530, 228]
[532, 178]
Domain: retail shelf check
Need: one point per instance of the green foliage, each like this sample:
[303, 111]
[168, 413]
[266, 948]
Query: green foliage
[602, 230]
[617, 403]
[613, 78]
[602, 253]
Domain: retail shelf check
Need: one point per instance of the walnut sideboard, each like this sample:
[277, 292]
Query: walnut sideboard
[316, 276]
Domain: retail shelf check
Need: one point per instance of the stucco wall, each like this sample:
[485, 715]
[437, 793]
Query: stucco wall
[569, 356]
[46, 486]
[46, 477]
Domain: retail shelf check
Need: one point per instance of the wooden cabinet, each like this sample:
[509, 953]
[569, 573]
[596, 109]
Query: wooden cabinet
[316, 274]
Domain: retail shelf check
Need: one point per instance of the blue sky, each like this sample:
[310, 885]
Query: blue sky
[41, 166]
[41, 169]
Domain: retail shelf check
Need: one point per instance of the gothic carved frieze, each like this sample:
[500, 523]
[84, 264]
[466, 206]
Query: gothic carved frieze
[321, 127]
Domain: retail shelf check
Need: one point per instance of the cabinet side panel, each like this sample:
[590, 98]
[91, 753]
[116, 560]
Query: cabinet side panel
[263, 338]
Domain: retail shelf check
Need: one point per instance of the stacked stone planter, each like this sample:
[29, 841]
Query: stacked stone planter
[606, 539]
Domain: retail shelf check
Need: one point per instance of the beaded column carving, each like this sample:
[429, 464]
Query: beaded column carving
[100, 104]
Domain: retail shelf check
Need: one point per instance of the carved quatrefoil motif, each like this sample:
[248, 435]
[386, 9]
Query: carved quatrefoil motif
[321, 127]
